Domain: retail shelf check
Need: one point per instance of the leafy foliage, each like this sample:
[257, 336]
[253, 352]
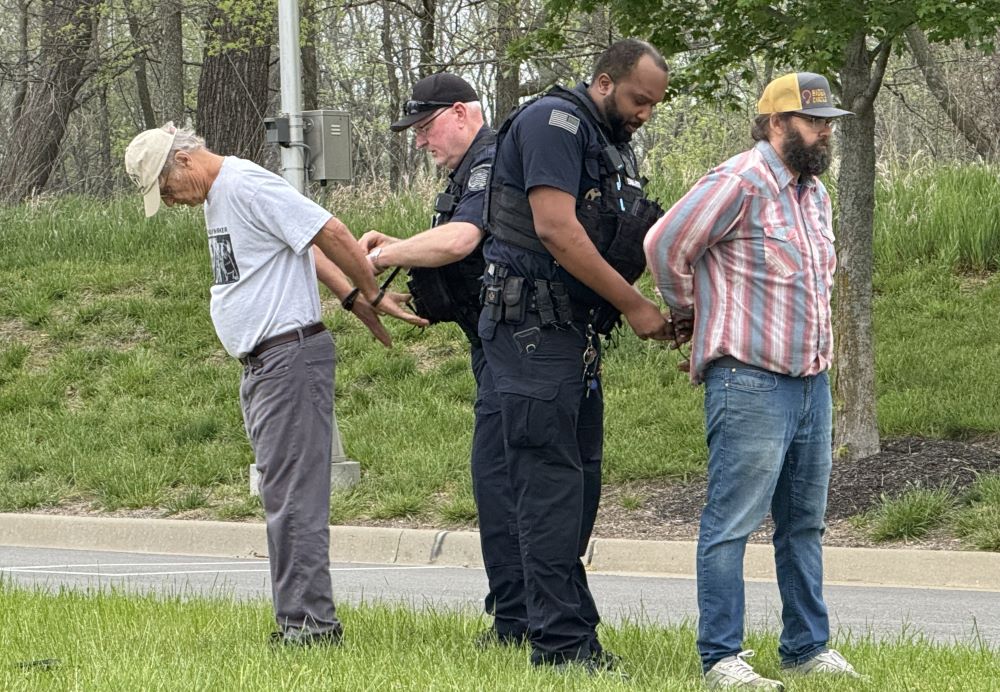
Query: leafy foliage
[716, 40]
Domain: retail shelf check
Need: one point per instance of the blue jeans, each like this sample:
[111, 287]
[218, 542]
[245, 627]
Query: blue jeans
[769, 447]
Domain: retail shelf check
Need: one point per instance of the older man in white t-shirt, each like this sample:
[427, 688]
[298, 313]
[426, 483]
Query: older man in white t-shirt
[266, 311]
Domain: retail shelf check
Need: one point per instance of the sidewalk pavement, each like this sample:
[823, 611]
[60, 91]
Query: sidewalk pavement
[949, 569]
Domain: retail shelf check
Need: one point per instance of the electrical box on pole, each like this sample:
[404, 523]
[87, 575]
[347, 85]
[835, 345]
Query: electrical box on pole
[329, 154]
[277, 131]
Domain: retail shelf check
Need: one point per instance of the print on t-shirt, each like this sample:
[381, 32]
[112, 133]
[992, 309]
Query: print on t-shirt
[224, 267]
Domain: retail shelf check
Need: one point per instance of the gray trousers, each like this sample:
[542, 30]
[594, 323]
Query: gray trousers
[287, 399]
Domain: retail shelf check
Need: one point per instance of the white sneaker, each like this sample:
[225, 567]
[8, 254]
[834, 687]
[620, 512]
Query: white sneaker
[830, 662]
[734, 671]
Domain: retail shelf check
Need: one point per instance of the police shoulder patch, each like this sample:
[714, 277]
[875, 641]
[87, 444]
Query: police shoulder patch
[566, 121]
[479, 177]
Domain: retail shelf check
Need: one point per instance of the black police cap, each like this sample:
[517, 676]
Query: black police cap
[433, 92]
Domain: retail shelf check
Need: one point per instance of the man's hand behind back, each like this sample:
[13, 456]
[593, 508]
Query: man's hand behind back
[394, 305]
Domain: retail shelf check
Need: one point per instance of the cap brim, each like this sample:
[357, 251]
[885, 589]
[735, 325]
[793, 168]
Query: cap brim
[828, 112]
[151, 200]
[411, 119]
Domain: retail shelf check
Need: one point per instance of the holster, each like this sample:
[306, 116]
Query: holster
[515, 303]
[509, 298]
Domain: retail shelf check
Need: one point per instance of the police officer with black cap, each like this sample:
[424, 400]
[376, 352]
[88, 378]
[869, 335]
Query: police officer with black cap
[446, 268]
[566, 218]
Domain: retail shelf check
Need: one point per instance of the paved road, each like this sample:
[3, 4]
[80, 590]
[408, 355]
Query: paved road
[940, 615]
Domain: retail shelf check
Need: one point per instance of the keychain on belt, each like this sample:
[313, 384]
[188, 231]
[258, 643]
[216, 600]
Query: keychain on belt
[589, 360]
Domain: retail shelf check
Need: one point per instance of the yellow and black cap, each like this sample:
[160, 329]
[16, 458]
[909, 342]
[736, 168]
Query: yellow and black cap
[805, 93]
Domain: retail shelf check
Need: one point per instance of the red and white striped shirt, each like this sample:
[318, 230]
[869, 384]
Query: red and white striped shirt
[749, 254]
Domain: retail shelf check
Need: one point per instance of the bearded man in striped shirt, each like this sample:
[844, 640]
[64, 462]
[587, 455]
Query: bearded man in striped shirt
[745, 260]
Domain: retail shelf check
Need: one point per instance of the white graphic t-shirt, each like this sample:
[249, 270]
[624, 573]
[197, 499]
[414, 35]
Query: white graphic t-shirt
[259, 233]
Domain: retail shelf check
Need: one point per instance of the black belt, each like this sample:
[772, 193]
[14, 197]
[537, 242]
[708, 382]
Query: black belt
[730, 362]
[284, 338]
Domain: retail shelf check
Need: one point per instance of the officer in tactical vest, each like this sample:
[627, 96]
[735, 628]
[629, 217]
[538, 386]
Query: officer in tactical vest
[446, 268]
[566, 218]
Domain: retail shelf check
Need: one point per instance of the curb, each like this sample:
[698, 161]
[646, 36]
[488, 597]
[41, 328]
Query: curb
[951, 569]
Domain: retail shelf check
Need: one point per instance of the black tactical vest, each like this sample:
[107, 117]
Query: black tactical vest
[451, 293]
[616, 220]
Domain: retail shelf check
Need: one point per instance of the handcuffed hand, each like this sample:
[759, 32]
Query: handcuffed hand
[394, 305]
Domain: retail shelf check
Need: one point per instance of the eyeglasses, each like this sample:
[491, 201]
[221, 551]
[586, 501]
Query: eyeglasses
[166, 189]
[412, 107]
[423, 128]
[818, 124]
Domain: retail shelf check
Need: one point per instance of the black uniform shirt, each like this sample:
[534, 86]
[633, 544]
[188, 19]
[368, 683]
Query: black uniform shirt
[473, 194]
[551, 143]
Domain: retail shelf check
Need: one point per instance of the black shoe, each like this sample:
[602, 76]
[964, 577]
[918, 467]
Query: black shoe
[303, 637]
[602, 663]
[487, 639]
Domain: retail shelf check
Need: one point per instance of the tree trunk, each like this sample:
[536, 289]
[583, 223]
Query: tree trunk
[105, 182]
[508, 72]
[856, 427]
[427, 17]
[64, 66]
[310, 63]
[21, 90]
[396, 141]
[920, 48]
[172, 58]
[139, 69]
[232, 91]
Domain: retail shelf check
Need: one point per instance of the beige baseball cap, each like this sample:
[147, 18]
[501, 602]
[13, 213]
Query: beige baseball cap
[144, 160]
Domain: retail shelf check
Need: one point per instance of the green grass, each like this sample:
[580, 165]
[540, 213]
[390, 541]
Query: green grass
[939, 215]
[972, 515]
[115, 393]
[112, 641]
[978, 520]
[911, 515]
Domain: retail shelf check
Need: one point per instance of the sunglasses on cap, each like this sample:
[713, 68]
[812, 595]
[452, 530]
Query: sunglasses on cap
[413, 107]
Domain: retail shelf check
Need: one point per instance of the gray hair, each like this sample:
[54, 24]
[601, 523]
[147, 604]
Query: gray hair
[184, 140]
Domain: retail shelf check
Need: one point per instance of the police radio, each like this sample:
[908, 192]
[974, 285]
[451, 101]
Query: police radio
[443, 204]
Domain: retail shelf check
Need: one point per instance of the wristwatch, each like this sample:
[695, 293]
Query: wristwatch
[373, 257]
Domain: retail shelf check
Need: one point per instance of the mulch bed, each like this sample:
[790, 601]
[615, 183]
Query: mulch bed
[902, 465]
[672, 510]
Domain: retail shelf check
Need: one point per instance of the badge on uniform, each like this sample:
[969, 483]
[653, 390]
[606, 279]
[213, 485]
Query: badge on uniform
[479, 177]
[565, 120]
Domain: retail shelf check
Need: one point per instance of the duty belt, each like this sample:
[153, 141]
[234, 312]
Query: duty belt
[283, 338]
[508, 298]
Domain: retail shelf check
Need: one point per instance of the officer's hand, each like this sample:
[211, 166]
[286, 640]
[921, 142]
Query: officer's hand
[373, 239]
[363, 310]
[393, 304]
[648, 323]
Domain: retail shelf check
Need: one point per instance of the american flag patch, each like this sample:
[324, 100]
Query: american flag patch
[562, 119]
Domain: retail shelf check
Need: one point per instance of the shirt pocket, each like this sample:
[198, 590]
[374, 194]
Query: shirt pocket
[780, 252]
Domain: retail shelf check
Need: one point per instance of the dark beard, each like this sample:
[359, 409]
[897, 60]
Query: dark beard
[812, 160]
[616, 123]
